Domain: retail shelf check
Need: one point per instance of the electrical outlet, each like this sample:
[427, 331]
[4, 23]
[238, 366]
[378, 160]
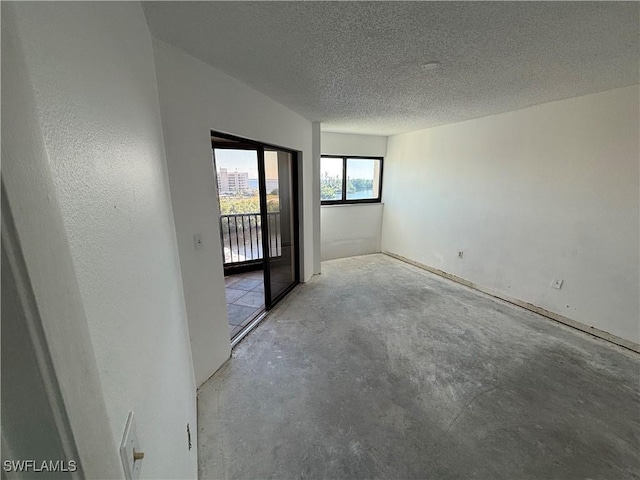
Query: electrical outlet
[131, 451]
[557, 283]
[197, 241]
[460, 254]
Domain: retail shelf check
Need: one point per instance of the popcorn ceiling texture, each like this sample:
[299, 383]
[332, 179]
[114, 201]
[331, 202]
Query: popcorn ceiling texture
[355, 66]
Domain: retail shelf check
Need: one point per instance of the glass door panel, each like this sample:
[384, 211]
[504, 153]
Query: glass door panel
[281, 242]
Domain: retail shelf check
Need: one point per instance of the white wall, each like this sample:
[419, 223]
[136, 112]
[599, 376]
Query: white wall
[349, 230]
[195, 98]
[546, 192]
[352, 144]
[39, 258]
[316, 141]
[92, 71]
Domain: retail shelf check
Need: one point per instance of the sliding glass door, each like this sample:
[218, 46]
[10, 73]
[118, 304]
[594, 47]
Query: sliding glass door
[258, 200]
[278, 178]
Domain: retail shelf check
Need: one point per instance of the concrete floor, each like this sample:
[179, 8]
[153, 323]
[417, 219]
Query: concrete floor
[377, 369]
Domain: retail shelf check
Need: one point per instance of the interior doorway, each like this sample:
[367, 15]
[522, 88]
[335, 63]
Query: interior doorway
[259, 225]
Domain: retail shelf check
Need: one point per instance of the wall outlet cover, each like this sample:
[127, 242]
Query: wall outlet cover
[557, 283]
[128, 447]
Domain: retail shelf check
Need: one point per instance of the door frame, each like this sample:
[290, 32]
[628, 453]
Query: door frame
[249, 144]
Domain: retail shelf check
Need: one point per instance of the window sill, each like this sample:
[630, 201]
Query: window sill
[363, 204]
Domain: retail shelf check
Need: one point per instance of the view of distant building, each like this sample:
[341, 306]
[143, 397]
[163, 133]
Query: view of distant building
[232, 182]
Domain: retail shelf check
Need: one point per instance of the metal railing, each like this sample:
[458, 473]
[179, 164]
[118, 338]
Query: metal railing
[241, 235]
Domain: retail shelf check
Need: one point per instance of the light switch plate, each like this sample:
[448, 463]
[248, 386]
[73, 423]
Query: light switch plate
[197, 241]
[129, 445]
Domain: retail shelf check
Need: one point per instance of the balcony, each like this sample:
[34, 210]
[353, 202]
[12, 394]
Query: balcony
[241, 236]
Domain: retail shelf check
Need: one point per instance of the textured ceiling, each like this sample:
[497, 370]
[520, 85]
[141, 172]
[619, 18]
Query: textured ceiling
[355, 66]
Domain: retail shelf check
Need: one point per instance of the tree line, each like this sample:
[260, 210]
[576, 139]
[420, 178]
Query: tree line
[331, 187]
[231, 205]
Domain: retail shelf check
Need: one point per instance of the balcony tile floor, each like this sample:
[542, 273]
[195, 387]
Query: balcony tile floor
[245, 299]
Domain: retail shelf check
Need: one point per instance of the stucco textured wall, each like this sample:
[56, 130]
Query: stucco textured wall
[196, 98]
[546, 192]
[92, 70]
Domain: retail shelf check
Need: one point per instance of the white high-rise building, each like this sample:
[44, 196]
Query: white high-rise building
[223, 181]
[232, 182]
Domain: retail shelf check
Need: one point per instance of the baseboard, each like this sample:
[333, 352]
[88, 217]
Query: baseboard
[609, 337]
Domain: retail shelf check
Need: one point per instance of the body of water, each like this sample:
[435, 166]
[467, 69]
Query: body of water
[362, 194]
[271, 184]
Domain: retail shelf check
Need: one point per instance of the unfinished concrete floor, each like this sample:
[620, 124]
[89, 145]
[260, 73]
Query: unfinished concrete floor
[377, 369]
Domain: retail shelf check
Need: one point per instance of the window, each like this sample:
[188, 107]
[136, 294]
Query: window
[350, 179]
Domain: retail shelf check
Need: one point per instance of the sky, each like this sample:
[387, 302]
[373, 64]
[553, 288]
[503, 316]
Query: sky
[241, 160]
[356, 168]
[245, 161]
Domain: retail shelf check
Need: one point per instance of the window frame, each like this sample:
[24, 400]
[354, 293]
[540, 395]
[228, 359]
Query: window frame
[344, 200]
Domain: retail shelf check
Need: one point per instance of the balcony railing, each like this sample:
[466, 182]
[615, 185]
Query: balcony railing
[241, 235]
